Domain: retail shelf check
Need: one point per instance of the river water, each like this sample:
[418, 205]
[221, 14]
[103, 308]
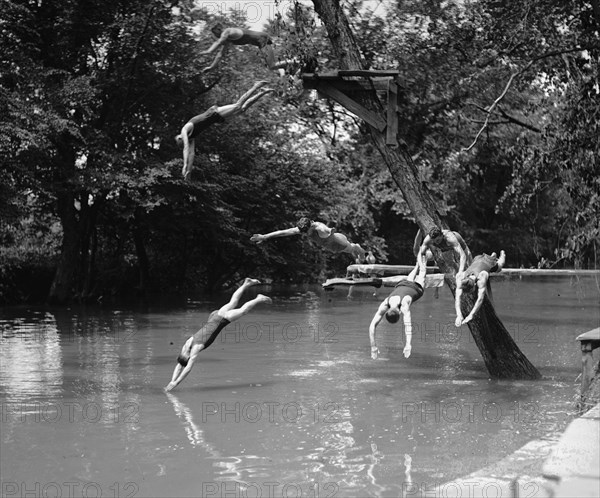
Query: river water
[286, 402]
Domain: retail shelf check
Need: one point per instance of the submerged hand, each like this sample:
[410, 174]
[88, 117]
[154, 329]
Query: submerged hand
[258, 238]
[467, 320]
[407, 350]
[170, 386]
[459, 321]
[374, 353]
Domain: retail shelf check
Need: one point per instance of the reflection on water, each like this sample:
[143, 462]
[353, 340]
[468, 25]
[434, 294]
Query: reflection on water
[192, 430]
[31, 357]
[287, 400]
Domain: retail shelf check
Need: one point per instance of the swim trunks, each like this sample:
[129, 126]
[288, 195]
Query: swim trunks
[483, 262]
[209, 332]
[256, 38]
[407, 288]
[335, 242]
[202, 121]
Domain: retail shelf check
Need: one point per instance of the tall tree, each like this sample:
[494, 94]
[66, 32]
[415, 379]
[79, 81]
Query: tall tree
[93, 96]
[501, 355]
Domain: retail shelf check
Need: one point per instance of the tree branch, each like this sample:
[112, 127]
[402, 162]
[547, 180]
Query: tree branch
[517, 121]
[561, 52]
[505, 115]
[489, 111]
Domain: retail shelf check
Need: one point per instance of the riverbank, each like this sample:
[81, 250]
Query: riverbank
[565, 466]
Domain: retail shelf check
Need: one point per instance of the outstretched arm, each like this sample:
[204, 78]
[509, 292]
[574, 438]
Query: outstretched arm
[373, 326]
[188, 152]
[481, 285]
[457, 296]
[184, 373]
[418, 242]
[251, 101]
[407, 325]
[219, 43]
[421, 268]
[258, 238]
[215, 61]
[455, 243]
[422, 252]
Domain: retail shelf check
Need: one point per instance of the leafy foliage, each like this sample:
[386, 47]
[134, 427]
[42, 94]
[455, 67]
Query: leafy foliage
[499, 107]
[94, 95]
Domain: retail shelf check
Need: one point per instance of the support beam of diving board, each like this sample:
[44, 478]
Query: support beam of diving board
[341, 98]
[392, 114]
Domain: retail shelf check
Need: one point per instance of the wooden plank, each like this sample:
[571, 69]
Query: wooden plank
[391, 136]
[330, 283]
[383, 270]
[577, 452]
[587, 365]
[590, 335]
[344, 73]
[433, 280]
[380, 269]
[548, 272]
[354, 107]
[333, 75]
[378, 85]
[369, 73]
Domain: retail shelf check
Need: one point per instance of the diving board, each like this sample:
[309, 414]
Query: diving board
[384, 270]
[387, 270]
[343, 85]
[432, 280]
[548, 272]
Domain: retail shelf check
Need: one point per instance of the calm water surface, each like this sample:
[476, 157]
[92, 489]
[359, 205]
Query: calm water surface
[286, 402]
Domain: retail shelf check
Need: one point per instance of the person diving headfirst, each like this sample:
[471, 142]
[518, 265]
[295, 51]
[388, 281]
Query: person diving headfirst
[217, 321]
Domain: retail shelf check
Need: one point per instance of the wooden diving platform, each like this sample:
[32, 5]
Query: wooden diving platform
[388, 270]
[341, 86]
[351, 80]
[548, 272]
[384, 270]
[431, 280]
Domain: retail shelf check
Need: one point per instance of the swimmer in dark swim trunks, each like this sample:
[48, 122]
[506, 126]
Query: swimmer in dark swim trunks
[445, 241]
[217, 321]
[240, 36]
[216, 114]
[404, 294]
[321, 234]
[476, 275]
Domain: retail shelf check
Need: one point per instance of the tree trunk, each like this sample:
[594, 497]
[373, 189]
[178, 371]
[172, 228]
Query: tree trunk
[140, 249]
[87, 225]
[62, 284]
[501, 354]
[89, 287]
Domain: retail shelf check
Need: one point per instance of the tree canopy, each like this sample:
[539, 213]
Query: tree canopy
[499, 110]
